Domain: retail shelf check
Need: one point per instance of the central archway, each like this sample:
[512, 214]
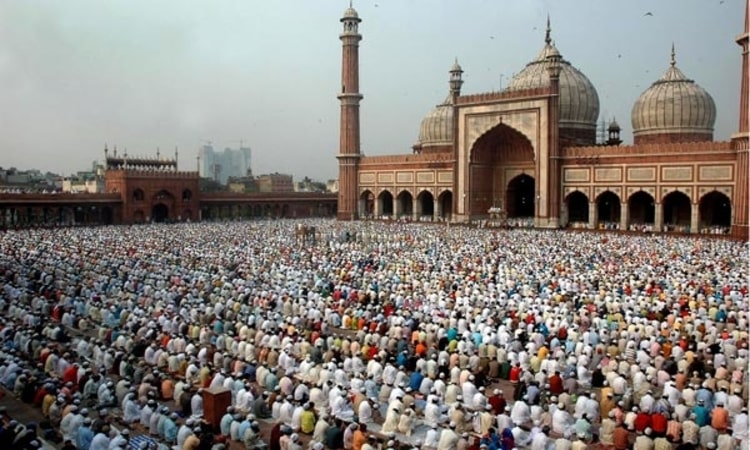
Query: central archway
[496, 158]
[519, 197]
[159, 213]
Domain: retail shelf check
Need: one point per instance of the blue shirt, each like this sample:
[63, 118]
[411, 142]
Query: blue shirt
[84, 438]
[702, 415]
[416, 380]
[225, 424]
[170, 430]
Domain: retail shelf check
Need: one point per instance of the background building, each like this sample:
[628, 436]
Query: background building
[275, 182]
[528, 156]
[220, 166]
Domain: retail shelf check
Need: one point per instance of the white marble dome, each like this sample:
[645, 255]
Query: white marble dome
[350, 13]
[579, 101]
[673, 104]
[437, 126]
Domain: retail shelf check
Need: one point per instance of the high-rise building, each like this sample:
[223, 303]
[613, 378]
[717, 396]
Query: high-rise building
[221, 166]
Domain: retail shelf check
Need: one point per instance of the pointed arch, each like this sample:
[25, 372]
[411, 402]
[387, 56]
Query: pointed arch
[520, 201]
[608, 214]
[715, 213]
[425, 205]
[404, 204]
[499, 148]
[578, 207]
[386, 204]
[445, 204]
[641, 209]
[676, 211]
[366, 204]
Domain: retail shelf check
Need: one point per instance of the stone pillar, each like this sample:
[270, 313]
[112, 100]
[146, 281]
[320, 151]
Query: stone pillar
[396, 209]
[376, 208]
[592, 215]
[694, 217]
[624, 216]
[436, 212]
[658, 217]
[416, 209]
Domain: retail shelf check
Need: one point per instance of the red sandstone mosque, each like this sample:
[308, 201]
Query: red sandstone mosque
[527, 156]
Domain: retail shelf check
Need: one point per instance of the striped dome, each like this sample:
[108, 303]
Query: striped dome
[579, 101]
[674, 104]
[437, 126]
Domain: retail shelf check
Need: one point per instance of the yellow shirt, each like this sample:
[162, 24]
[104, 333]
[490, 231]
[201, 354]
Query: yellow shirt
[307, 422]
[46, 403]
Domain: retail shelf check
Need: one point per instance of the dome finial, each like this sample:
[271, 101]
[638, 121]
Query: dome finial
[672, 61]
[547, 37]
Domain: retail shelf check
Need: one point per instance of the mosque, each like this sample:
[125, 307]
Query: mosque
[528, 156]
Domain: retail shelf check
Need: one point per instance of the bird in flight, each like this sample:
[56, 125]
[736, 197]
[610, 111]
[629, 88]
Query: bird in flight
[649, 14]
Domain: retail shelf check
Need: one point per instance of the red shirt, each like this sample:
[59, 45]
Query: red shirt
[515, 374]
[658, 423]
[71, 375]
[498, 403]
[642, 421]
[555, 384]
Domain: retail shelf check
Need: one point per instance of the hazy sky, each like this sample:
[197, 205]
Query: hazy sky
[143, 74]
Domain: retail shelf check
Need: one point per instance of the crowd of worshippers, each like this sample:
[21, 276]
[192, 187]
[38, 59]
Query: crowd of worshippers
[410, 336]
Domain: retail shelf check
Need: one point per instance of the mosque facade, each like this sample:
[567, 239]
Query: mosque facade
[528, 156]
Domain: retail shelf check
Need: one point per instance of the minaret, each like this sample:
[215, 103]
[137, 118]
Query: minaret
[553, 130]
[456, 81]
[740, 142]
[349, 123]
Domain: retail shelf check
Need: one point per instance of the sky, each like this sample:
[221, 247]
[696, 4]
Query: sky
[144, 74]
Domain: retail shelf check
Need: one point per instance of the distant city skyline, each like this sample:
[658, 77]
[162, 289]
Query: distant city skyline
[142, 75]
[220, 165]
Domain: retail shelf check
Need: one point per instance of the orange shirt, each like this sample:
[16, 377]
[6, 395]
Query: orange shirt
[167, 389]
[720, 419]
[358, 440]
[666, 348]
[620, 438]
